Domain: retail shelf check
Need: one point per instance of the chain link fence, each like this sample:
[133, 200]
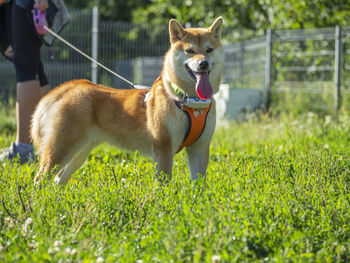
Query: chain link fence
[291, 70]
[294, 70]
[311, 69]
[60, 62]
[125, 48]
[244, 90]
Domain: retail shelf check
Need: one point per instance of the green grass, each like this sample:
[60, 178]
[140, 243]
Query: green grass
[276, 191]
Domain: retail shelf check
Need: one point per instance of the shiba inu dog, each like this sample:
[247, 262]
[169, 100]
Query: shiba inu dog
[78, 115]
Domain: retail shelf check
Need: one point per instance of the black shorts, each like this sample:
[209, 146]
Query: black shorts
[26, 47]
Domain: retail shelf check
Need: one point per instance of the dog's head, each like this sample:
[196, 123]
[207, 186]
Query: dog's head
[195, 60]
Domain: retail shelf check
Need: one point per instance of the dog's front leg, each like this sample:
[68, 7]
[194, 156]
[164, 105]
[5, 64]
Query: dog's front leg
[163, 160]
[198, 158]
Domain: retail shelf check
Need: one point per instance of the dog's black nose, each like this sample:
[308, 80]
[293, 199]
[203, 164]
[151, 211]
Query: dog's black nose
[203, 65]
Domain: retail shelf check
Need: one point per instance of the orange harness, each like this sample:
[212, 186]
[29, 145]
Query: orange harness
[197, 119]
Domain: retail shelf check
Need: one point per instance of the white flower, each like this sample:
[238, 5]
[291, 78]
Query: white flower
[9, 221]
[99, 260]
[311, 114]
[33, 245]
[328, 119]
[70, 251]
[29, 221]
[57, 243]
[25, 230]
[53, 250]
[215, 259]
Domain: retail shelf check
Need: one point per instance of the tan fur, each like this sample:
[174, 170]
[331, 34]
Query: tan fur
[78, 115]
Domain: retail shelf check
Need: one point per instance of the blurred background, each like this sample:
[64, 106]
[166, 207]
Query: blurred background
[281, 55]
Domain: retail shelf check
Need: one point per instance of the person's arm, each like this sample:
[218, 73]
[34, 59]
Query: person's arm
[42, 4]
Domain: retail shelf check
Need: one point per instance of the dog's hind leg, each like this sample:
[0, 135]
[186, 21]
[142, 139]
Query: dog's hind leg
[47, 162]
[38, 176]
[65, 172]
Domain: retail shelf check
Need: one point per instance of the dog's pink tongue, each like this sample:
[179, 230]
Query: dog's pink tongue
[203, 86]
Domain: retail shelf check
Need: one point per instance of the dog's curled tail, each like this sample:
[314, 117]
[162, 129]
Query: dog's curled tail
[38, 121]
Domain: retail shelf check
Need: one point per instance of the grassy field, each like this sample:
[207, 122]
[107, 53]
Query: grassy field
[276, 191]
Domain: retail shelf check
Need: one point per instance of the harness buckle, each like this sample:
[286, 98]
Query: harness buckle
[195, 103]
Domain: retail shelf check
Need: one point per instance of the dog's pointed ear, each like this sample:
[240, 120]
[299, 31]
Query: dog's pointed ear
[216, 28]
[176, 31]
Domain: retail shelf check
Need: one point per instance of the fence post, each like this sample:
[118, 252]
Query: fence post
[241, 63]
[94, 46]
[337, 69]
[268, 67]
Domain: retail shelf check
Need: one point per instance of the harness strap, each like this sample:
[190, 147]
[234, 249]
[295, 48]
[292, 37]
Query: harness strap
[197, 119]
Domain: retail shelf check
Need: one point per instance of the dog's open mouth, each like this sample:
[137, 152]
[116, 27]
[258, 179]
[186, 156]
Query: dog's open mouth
[203, 86]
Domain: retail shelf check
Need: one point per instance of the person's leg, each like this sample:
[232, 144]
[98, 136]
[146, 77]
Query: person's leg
[44, 84]
[44, 90]
[28, 95]
[26, 47]
[27, 64]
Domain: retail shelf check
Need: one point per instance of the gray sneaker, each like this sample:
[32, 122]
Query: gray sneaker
[24, 153]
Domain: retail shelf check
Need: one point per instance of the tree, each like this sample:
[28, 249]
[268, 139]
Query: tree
[240, 15]
[249, 14]
[245, 13]
[111, 9]
[254, 15]
[288, 14]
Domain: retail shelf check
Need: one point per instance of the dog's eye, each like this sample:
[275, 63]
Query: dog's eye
[189, 51]
[209, 50]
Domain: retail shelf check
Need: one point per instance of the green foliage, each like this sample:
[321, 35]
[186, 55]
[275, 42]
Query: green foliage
[290, 14]
[239, 14]
[248, 14]
[276, 191]
[296, 103]
[109, 9]
[255, 15]
[7, 121]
